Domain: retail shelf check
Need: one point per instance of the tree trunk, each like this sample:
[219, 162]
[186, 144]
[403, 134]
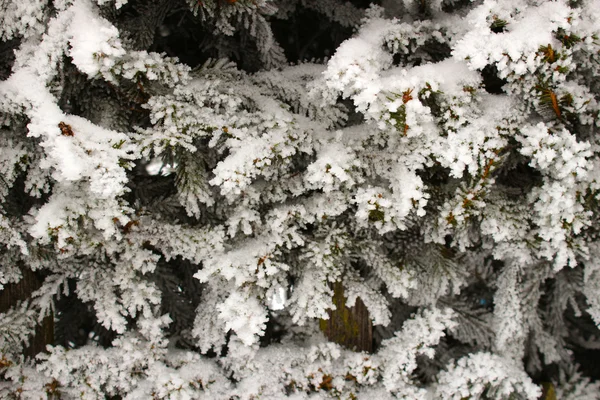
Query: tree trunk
[349, 327]
[15, 292]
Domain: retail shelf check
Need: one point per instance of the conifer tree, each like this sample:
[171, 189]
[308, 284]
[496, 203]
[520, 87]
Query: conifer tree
[261, 199]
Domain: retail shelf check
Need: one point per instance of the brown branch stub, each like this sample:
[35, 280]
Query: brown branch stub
[65, 129]
[548, 53]
[554, 101]
[262, 260]
[326, 383]
[5, 362]
[488, 169]
[407, 96]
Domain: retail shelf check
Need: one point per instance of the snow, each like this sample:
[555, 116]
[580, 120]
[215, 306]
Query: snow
[398, 178]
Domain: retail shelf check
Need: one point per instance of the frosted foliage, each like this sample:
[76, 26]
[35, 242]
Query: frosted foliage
[424, 191]
[248, 16]
[418, 336]
[529, 27]
[400, 280]
[376, 303]
[118, 3]
[591, 285]
[508, 315]
[563, 160]
[331, 168]
[21, 19]
[315, 304]
[244, 315]
[16, 327]
[344, 13]
[208, 328]
[573, 385]
[11, 237]
[485, 375]
[86, 49]
[300, 367]
[327, 364]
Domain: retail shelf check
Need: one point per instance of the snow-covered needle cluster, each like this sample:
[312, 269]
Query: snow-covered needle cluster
[191, 190]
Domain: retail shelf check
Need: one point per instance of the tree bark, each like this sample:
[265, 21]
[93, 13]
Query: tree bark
[20, 291]
[349, 327]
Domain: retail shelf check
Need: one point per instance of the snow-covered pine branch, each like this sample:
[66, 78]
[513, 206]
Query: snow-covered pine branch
[211, 193]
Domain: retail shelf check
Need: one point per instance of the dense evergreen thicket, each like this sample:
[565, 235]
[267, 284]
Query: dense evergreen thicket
[259, 199]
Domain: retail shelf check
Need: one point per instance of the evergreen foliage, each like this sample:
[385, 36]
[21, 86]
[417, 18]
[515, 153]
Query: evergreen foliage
[196, 183]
